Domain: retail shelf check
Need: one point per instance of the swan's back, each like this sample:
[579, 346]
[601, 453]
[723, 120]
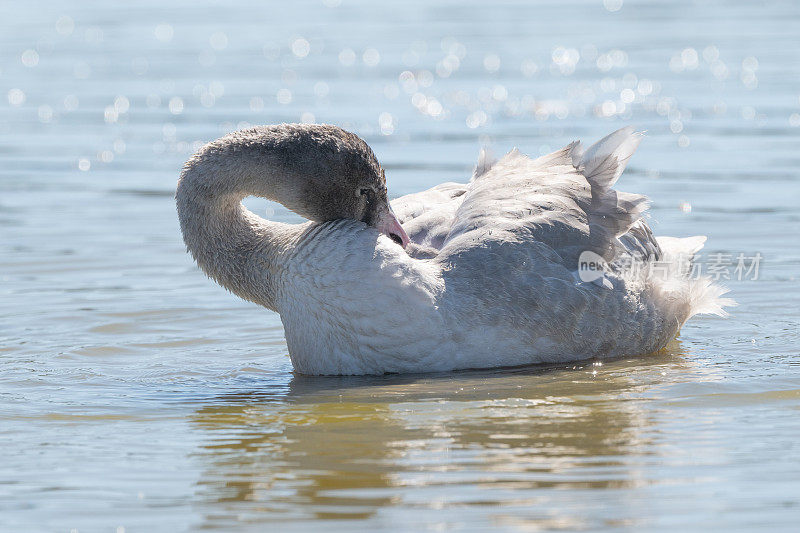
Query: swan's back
[564, 199]
[509, 245]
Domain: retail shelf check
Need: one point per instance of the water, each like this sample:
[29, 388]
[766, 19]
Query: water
[136, 394]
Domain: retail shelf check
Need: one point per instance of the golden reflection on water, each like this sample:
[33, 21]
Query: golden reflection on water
[346, 448]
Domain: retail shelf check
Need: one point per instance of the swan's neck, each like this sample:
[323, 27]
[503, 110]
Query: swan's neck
[240, 250]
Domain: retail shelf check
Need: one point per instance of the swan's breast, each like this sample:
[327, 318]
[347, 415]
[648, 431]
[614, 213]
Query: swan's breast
[352, 301]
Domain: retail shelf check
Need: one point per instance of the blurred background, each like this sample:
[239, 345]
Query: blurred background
[136, 395]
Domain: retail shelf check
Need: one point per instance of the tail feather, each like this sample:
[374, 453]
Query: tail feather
[705, 298]
[702, 294]
[687, 246]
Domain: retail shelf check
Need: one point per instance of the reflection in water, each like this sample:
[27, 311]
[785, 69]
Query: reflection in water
[348, 448]
[295, 459]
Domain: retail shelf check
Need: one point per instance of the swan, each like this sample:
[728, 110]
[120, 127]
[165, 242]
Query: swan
[489, 273]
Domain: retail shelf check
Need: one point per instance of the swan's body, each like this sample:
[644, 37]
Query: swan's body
[489, 278]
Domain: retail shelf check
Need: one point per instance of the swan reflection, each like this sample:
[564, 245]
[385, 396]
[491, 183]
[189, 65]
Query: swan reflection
[358, 448]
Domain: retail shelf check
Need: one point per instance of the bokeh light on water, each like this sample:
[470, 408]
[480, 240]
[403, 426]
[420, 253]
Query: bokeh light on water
[537, 70]
[137, 394]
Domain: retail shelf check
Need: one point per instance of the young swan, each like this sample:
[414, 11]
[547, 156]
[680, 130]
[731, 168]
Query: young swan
[489, 277]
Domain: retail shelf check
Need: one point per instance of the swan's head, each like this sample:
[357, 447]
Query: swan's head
[342, 178]
[319, 171]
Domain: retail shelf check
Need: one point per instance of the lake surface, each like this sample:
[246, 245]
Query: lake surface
[136, 395]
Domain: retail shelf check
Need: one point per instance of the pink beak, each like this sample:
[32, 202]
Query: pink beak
[390, 226]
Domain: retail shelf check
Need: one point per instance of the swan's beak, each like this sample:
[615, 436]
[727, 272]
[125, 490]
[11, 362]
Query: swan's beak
[388, 224]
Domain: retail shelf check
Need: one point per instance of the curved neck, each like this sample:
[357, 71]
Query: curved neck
[238, 249]
[313, 170]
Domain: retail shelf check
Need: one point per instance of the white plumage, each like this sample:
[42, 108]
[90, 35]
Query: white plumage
[491, 275]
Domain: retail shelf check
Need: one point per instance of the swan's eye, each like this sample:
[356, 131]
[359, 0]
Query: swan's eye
[365, 191]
